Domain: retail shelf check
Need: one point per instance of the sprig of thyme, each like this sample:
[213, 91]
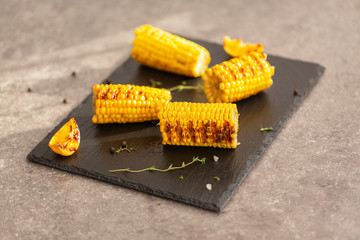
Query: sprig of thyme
[180, 88]
[121, 149]
[153, 168]
[154, 83]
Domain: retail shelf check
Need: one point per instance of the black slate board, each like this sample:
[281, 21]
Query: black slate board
[270, 108]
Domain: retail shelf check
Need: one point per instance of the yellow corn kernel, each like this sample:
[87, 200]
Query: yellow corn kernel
[108, 109]
[164, 51]
[238, 78]
[187, 125]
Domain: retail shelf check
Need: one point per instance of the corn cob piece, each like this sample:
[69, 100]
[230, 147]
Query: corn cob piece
[127, 103]
[238, 78]
[164, 51]
[237, 47]
[199, 124]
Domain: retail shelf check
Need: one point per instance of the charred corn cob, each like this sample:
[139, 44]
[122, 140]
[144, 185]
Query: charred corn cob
[164, 51]
[238, 78]
[199, 124]
[127, 103]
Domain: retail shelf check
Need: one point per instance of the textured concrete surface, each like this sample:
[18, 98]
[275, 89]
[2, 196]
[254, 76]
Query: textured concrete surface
[306, 186]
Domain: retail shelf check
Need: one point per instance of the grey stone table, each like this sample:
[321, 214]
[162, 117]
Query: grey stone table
[306, 185]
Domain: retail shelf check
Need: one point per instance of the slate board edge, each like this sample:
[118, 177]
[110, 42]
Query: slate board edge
[272, 134]
[208, 206]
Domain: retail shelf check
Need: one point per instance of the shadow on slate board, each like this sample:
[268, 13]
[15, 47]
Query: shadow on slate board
[269, 108]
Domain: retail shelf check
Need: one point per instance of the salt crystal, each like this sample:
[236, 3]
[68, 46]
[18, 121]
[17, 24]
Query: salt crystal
[208, 186]
[216, 158]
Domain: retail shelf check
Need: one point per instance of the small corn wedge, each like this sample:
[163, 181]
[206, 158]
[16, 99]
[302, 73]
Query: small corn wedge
[66, 140]
[237, 47]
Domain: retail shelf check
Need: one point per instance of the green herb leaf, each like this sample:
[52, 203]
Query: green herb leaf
[181, 177]
[266, 129]
[154, 83]
[170, 167]
[217, 178]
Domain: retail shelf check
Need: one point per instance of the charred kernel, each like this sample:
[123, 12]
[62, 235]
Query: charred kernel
[112, 150]
[64, 100]
[296, 92]
[29, 89]
[73, 74]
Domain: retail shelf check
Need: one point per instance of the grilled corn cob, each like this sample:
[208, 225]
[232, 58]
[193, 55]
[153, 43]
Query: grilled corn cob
[159, 49]
[199, 124]
[238, 78]
[127, 103]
